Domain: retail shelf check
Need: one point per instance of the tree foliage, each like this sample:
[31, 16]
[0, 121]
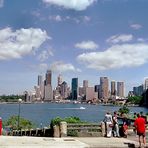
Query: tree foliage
[124, 109]
[13, 123]
[134, 99]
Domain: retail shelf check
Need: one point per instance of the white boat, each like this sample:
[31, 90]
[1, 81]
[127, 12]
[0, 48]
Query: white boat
[82, 107]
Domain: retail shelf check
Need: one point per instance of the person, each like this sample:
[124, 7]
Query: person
[140, 128]
[109, 124]
[125, 128]
[115, 125]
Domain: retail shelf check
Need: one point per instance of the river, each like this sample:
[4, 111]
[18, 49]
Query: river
[42, 113]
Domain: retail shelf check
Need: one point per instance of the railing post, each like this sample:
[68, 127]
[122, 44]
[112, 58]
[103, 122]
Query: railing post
[56, 130]
[63, 129]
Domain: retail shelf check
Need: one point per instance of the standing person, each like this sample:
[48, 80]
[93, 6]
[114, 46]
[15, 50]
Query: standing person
[140, 128]
[109, 124]
[115, 125]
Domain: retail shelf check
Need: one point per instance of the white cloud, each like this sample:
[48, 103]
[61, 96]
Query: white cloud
[136, 26]
[14, 45]
[60, 66]
[120, 38]
[87, 45]
[56, 18]
[44, 55]
[117, 56]
[78, 5]
[1, 3]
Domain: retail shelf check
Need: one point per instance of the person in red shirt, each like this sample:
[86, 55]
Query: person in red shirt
[140, 128]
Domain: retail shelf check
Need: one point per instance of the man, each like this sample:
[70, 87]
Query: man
[115, 125]
[140, 128]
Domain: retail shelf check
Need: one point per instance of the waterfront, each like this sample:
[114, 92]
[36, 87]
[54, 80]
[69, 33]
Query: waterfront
[42, 113]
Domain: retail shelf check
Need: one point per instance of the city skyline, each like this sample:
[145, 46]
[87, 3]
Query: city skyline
[87, 39]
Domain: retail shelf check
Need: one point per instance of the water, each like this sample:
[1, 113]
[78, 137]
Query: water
[41, 114]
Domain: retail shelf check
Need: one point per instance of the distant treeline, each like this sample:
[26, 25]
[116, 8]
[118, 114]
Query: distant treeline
[11, 98]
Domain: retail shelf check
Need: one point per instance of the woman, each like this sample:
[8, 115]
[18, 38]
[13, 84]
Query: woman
[109, 124]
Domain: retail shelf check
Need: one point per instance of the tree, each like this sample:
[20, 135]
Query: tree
[13, 123]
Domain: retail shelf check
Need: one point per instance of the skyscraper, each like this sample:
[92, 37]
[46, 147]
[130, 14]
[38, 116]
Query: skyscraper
[146, 84]
[59, 79]
[120, 89]
[104, 88]
[48, 77]
[48, 95]
[40, 80]
[113, 88]
[74, 86]
[85, 83]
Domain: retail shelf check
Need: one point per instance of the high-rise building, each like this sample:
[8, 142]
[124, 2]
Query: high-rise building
[85, 83]
[40, 80]
[113, 88]
[48, 77]
[64, 92]
[48, 95]
[138, 91]
[120, 89]
[60, 79]
[74, 86]
[104, 88]
[146, 84]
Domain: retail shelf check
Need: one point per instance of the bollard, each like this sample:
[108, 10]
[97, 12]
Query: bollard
[0, 126]
[56, 130]
[103, 129]
[63, 129]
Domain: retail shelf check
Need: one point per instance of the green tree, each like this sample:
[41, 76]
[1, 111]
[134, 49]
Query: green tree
[134, 99]
[124, 109]
[13, 123]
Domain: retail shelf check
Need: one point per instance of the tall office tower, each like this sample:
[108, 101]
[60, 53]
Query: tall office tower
[104, 88]
[59, 79]
[120, 89]
[74, 86]
[48, 77]
[85, 83]
[138, 91]
[64, 91]
[40, 80]
[48, 95]
[41, 86]
[97, 88]
[146, 84]
[113, 88]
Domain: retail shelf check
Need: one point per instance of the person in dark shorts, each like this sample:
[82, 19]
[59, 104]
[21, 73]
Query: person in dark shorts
[140, 128]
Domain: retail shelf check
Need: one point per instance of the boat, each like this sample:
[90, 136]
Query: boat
[82, 107]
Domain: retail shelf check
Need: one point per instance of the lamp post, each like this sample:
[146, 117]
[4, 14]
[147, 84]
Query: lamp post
[19, 101]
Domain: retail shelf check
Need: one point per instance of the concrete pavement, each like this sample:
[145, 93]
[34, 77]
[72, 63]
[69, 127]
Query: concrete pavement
[67, 142]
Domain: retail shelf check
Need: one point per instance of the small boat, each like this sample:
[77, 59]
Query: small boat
[82, 107]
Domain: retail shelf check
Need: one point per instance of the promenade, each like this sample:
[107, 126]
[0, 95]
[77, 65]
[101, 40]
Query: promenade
[67, 142]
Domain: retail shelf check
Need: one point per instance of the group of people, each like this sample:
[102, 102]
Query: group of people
[112, 126]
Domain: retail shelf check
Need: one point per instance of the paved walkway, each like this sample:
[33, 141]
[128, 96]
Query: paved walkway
[67, 142]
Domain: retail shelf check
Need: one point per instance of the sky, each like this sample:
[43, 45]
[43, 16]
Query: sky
[87, 39]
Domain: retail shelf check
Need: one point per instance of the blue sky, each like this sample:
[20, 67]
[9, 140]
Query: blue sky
[76, 38]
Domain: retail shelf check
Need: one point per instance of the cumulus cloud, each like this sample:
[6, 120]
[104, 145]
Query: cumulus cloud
[60, 66]
[136, 26]
[117, 56]
[78, 5]
[87, 45]
[120, 38]
[15, 44]
[56, 18]
[1, 3]
[44, 55]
